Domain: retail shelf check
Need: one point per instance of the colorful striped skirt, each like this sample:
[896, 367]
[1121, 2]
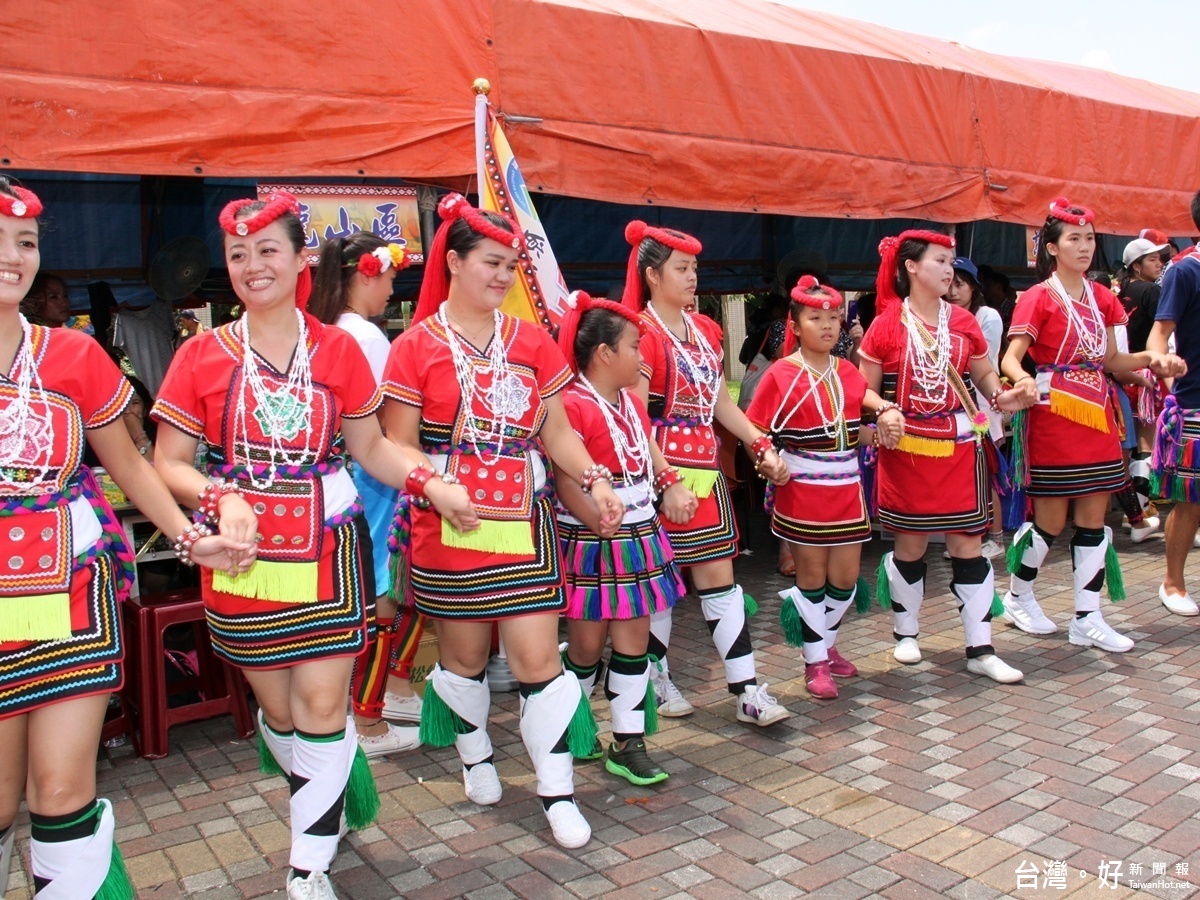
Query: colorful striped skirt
[460, 583]
[263, 634]
[37, 673]
[1069, 459]
[711, 534]
[930, 494]
[629, 575]
[1176, 472]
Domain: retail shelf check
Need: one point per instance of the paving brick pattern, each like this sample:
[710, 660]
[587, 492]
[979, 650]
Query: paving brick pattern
[917, 782]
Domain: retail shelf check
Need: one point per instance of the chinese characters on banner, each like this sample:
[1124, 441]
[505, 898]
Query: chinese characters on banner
[328, 211]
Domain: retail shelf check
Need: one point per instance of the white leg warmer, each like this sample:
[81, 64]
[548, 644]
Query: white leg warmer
[725, 614]
[544, 720]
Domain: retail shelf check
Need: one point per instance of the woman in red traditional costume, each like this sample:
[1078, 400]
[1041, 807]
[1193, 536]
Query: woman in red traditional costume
[352, 286]
[477, 392]
[65, 568]
[1066, 448]
[683, 387]
[811, 403]
[278, 399]
[616, 578]
[919, 353]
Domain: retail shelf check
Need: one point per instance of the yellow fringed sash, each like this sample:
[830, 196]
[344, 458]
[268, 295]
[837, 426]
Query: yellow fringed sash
[923, 446]
[492, 536]
[44, 617]
[1076, 409]
[699, 481]
[279, 582]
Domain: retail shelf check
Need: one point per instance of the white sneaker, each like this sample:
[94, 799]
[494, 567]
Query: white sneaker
[671, 703]
[758, 707]
[482, 784]
[1180, 604]
[499, 676]
[1024, 613]
[907, 651]
[396, 739]
[1093, 631]
[990, 548]
[571, 829]
[315, 887]
[1150, 525]
[946, 554]
[402, 709]
[1196, 540]
[994, 668]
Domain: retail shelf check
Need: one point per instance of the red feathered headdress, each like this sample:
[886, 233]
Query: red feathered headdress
[278, 204]
[638, 231]
[24, 204]
[1072, 213]
[810, 292]
[889, 248]
[436, 283]
[579, 303]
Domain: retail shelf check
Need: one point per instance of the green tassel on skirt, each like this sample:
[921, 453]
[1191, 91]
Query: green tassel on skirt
[581, 730]
[1016, 550]
[651, 709]
[789, 621]
[362, 796]
[862, 595]
[267, 763]
[1112, 574]
[440, 725]
[883, 588]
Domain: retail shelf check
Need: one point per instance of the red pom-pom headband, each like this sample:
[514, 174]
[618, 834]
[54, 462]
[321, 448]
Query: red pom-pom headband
[810, 292]
[1072, 213]
[24, 203]
[889, 249]
[436, 283]
[636, 232]
[276, 205]
[579, 303]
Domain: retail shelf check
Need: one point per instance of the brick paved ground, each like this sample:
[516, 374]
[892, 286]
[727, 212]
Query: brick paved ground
[917, 782]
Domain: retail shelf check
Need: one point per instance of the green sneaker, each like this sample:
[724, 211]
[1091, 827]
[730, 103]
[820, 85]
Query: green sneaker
[596, 752]
[633, 764]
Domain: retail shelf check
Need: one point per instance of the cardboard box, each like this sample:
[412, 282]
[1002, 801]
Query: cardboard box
[423, 662]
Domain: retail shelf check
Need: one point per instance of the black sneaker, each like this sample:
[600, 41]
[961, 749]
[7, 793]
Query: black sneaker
[633, 764]
[596, 752]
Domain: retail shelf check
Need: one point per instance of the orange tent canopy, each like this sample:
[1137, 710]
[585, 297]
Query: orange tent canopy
[739, 105]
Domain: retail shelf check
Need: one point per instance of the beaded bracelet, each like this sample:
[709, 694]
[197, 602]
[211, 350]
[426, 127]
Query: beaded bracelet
[414, 485]
[593, 474]
[994, 399]
[760, 447]
[210, 498]
[664, 479]
[187, 540]
[884, 407]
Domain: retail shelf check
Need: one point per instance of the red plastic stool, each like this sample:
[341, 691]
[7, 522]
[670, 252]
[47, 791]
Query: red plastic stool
[223, 688]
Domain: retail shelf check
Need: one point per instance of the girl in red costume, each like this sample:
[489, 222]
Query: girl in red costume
[278, 398]
[683, 386]
[811, 403]
[478, 392]
[1067, 449]
[919, 353]
[66, 567]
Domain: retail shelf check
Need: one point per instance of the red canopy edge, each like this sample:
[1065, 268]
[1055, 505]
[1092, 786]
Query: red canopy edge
[738, 105]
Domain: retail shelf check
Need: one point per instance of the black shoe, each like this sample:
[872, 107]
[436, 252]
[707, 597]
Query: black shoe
[633, 764]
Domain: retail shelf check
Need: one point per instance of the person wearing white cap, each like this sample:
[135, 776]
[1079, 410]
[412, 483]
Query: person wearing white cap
[1176, 465]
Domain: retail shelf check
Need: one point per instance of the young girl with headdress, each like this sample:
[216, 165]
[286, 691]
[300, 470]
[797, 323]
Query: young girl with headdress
[478, 392]
[278, 399]
[1066, 448]
[919, 354]
[683, 386]
[616, 579]
[811, 404]
[66, 568]
[353, 285]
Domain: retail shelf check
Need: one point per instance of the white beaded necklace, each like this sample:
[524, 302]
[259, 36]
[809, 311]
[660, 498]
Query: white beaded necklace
[704, 373]
[633, 450]
[831, 425]
[505, 394]
[929, 365]
[17, 431]
[281, 414]
[1093, 338]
